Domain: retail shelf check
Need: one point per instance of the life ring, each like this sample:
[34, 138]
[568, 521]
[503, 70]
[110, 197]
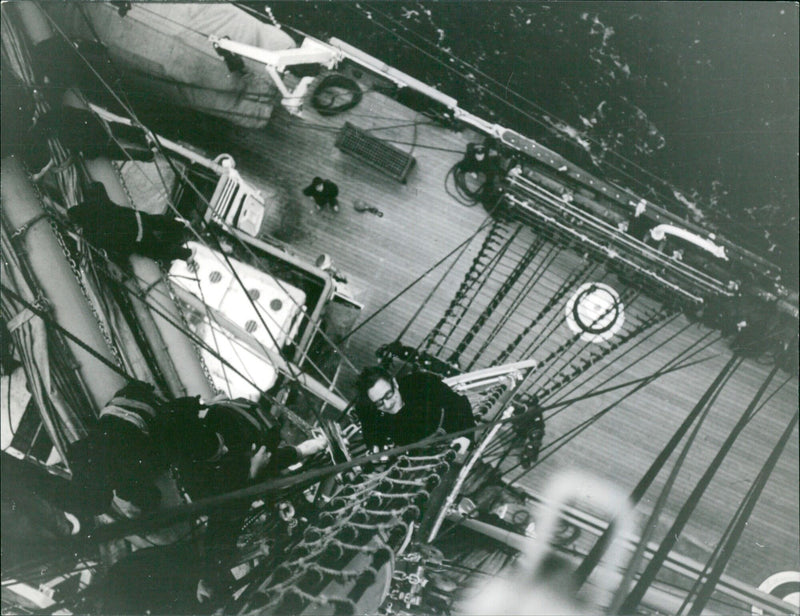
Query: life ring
[595, 312]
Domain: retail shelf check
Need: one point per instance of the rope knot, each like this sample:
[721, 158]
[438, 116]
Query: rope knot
[42, 304]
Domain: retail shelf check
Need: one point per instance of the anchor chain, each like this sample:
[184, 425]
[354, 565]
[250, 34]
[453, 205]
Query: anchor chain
[78, 274]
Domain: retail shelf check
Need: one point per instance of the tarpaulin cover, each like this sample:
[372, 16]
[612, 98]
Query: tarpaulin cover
[164, 48]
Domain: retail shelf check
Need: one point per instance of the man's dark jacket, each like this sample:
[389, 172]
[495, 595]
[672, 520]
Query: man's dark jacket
[428, 405]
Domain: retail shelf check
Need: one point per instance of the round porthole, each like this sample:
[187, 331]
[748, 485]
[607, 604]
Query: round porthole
[254, 294]
[276, 304]
[250, 326]
[595, 311]
[215, 276]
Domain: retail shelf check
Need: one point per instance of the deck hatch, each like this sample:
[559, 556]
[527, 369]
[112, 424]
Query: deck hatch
[375, 152]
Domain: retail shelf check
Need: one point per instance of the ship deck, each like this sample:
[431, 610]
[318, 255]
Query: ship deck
[421, 225]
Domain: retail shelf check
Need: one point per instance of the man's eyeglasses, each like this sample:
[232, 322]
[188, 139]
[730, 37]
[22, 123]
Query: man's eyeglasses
[385, 398]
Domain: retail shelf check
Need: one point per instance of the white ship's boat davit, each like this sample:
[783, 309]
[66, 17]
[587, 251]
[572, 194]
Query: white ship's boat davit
[265, 321]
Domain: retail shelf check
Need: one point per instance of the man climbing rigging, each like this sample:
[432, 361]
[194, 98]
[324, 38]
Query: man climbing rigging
[409, 408]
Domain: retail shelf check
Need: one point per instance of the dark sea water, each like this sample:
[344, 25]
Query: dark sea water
[684, 102]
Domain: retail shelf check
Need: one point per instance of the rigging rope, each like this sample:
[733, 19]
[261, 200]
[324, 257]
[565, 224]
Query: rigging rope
[667, 320]
[647, 577]
[362, 323]
[400, 293]
[47, 380]
[492, 450]
[325, 102]
[509, 438]
[628, 297]
[436, 287]
[210, 318]
[167, 517]
[522, 294]
[564, 404]
[276, 280]
[594, 358]
[574, 432]
[143, 297]
[586, 270]
[120, 325]
[463, 195]
[699, 413]
[594, 392]
[45, 316]
[738, 523]
[562, 349]
[17, 51]
[508, 282]
[496, 234]
[506, 441]
[549, 327]
[185, 512]
[563, 289]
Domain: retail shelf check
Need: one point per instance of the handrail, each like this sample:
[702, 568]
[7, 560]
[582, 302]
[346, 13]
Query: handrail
[605, 249]
[488, 376]
[659, 232]
[517, 181]
[173, 146]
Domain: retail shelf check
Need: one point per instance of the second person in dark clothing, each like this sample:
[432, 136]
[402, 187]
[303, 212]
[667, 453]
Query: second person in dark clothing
[324, 192]
[232, 449]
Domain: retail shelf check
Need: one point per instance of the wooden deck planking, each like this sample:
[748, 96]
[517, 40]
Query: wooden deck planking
[622, 444]
[379, 255]
[421, 224]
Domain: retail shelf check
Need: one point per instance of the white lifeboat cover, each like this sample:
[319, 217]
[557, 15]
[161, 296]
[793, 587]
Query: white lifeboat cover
[167, 42]
[207, 276]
